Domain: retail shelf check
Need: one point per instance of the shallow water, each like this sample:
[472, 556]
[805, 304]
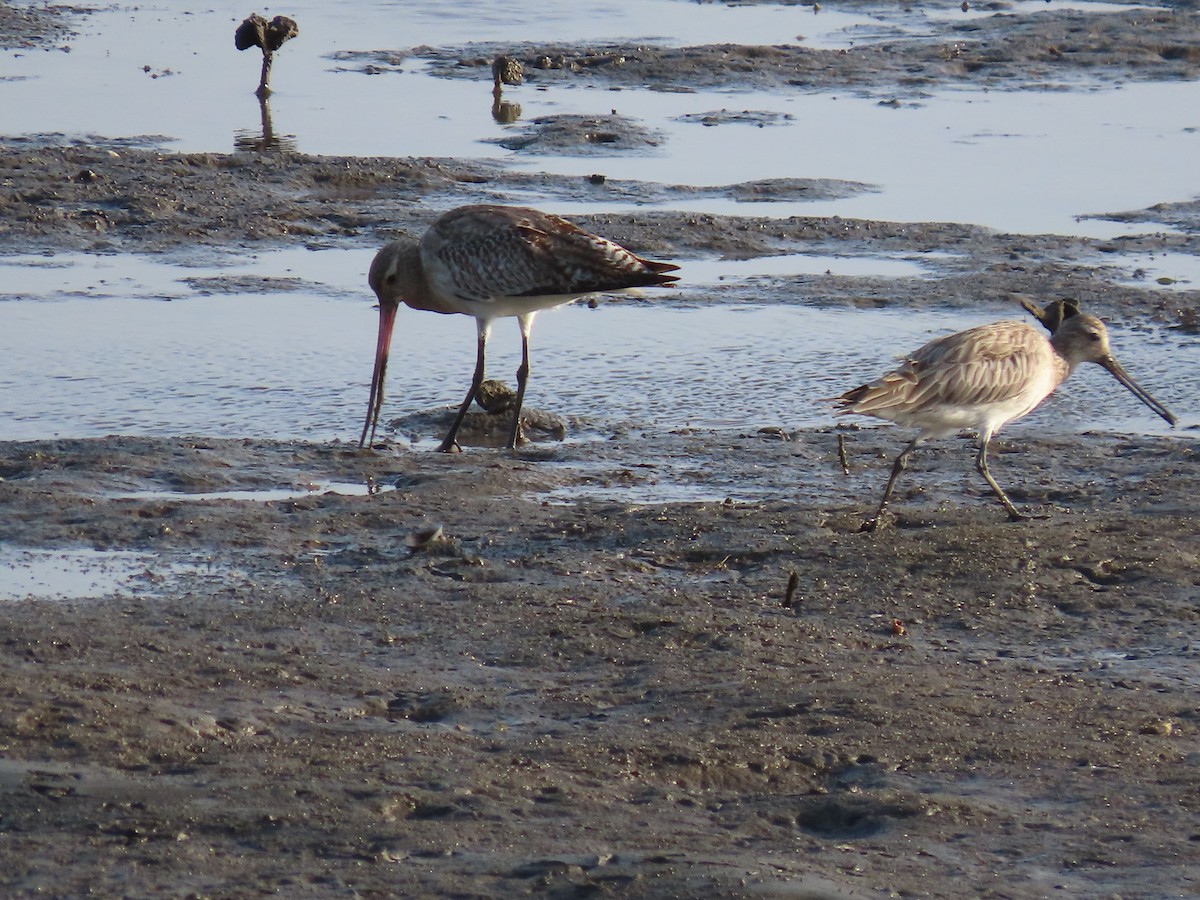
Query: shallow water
[1026, 162]
[75, 574]
[138, 351]
[264, 495]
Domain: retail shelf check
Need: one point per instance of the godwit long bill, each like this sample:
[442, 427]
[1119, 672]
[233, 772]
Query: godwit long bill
[982, 379]
[490, 262]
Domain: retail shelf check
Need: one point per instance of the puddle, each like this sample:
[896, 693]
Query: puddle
[1025, 162]
[1166, 270]
[712, 271]
[344, 488]
[83, 574]
[183, 275]
[341, 274]
[1028, 162]
[953, 13]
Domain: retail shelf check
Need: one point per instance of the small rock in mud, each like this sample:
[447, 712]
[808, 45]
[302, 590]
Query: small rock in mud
[757, 117]
[576, 135]
[482, 429]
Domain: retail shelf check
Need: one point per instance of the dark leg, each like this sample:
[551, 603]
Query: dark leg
[264, 78]
[981, 463]
[515, 436]
[899, 466]
[449, 444]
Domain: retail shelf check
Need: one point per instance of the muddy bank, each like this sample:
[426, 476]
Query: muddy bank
[645, 664]
[125, 199]
[604, 696]
[37, 27]
[1046, 50]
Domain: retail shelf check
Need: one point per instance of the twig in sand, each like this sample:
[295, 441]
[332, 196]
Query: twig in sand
[790, 593]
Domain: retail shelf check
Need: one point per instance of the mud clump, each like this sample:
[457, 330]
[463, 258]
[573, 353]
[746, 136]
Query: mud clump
[575, 135]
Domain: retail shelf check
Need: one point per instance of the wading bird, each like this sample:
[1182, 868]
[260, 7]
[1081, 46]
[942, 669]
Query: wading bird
[982, 379]
[490, 262]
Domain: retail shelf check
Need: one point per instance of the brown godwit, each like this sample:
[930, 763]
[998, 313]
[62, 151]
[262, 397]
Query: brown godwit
[490, 262]
[982, 379]
[505, 70]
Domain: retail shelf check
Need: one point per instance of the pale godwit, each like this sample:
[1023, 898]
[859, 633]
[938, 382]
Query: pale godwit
[490, 262]
[982, 379]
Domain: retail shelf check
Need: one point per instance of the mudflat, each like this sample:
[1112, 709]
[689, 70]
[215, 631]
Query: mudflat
[545, 673]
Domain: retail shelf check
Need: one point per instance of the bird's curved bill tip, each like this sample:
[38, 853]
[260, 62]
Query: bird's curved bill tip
[387, 318]
[1138, 391]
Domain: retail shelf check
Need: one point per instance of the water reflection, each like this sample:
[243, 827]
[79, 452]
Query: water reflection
[504, 111]
[505, 70]
[244, 139]
[292, 364]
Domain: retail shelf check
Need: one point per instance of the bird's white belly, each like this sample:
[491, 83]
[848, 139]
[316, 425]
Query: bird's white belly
[502, 307]
[941, 420]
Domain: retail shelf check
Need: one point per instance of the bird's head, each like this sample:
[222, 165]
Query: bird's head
[394, 276]
[1083, 338]
[387, 271]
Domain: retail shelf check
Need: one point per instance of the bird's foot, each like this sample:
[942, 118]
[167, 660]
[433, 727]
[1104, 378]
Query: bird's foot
[869, 526]
[517, 439]
[875, 522]
[1015, 515]
[449, 447]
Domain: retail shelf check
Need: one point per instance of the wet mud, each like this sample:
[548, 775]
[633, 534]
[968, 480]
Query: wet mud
[1049, 50]
[565, 696]
[645, 663]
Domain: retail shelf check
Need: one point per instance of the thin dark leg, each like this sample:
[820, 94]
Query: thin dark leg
[981, 463]
[899, 466]
[264, 78]
[522, 380]
[449, 444]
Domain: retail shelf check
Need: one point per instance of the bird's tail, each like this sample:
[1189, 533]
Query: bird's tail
[658, 272]
[845, 402]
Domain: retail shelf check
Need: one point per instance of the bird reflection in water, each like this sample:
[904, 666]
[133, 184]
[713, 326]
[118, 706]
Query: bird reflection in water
[505, 70]
[251, 141]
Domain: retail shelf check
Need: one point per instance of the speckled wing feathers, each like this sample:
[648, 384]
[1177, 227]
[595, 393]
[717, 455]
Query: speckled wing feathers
[481, 253]
[987, 365]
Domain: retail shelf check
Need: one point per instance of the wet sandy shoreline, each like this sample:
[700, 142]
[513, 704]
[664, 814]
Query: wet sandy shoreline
[582, 689]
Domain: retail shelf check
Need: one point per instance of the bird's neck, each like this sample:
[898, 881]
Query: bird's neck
[411, 282]
[1064, 364]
